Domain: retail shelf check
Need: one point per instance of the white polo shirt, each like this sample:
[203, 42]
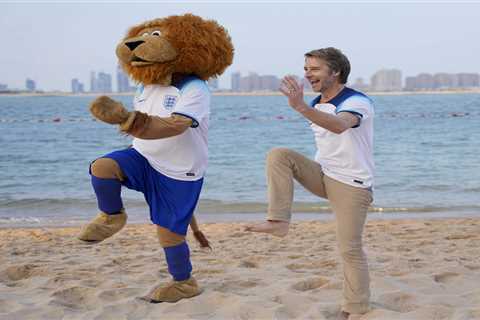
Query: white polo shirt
[347, 157]
[185, 156]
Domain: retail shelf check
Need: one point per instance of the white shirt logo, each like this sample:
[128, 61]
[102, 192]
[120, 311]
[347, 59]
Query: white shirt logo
[169, 102]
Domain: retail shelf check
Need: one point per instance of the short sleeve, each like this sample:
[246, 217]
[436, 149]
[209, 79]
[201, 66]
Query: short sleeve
[360, 106]
[194, 102]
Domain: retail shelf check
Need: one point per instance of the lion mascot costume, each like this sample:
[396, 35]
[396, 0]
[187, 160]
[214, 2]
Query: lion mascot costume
[171, 59]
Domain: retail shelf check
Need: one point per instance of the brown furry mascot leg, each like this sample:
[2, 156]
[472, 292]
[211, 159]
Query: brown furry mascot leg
[174, 290]
[104, 225]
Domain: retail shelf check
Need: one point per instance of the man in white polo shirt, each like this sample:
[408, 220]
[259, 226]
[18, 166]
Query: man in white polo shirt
[342, 172]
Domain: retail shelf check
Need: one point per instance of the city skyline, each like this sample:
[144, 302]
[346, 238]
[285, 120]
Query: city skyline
[412, 37]
[383, 80]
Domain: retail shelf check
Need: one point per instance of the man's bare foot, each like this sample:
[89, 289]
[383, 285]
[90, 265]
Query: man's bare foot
[274, 227]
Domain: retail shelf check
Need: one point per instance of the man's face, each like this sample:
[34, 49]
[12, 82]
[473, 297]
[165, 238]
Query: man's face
[319, 74]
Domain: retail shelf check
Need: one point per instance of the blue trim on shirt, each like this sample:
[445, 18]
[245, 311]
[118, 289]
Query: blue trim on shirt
[183, 81]
[315, 101]
[194, 121]
[344, 95]
[356, 114]
[340, 97]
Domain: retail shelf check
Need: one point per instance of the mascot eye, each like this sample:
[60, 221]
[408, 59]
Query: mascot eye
[145, 34]
[156, 33]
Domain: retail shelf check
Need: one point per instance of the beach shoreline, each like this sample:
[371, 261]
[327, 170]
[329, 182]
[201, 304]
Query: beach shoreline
[421, 269]
[140, 217]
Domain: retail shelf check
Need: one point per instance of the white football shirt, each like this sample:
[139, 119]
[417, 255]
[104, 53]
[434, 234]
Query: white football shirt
[185, 156]
[347, 157]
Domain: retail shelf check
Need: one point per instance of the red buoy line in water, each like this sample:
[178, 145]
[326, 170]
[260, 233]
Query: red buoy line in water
[248, 117]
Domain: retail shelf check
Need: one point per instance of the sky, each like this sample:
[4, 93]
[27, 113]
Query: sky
[54, 42]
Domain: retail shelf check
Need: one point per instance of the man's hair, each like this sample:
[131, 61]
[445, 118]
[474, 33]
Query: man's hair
[336, 61]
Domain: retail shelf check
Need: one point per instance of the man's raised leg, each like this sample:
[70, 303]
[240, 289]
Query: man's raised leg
[284, 165]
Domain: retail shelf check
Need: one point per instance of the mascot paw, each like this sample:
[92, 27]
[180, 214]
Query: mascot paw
[103, 227]
[174, 291]
[108, 110]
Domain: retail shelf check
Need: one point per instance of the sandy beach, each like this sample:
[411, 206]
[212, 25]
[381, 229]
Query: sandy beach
[421, 269]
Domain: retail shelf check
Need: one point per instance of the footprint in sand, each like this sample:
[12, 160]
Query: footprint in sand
[445, 277]
[248, 264]
[473, 314]
[7, 306]
[21, 272]
[301, 267]
[75, 297]
[209, 271]
[298, 267]
[238, 235]
[460, 236]
[310, 284]
[118, 294]
[294, 257]
[398, 301]
[92, 282]
[237, 285]
[472, 267]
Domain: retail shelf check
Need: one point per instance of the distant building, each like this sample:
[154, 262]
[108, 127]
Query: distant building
[254, 82]
[424, 81]
[235, 81]
[123, 82]
[93, 82]
[441, 81]
[101, 83]
[269, 83]
[213, 84]
[3, 87]
[104, 82]
[360, 85]
[386, 80]
[445, 81]
[30, 85]
[77, 86]
[468, 80]
[410, 83]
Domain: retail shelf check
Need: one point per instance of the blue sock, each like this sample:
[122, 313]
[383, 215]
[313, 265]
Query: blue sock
[178, 261]
[108, 194]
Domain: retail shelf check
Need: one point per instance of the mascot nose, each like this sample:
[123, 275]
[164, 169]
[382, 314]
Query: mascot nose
[133, 44]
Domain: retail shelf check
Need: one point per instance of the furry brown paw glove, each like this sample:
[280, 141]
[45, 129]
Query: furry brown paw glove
[108, 110]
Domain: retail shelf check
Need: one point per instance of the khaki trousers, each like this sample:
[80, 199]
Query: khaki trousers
[349, 204]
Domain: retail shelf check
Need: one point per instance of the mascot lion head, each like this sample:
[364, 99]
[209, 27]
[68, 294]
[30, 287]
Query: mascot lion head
[152, 52]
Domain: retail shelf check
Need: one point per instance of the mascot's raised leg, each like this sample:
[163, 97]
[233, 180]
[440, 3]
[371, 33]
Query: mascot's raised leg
[106, 181]
[177, 255]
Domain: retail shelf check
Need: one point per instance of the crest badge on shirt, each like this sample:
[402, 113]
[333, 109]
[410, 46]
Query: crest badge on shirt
[169, 102]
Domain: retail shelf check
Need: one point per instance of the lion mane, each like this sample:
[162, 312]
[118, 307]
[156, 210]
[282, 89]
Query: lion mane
[191, 45]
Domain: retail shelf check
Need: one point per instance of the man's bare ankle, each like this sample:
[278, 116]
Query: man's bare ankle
[277, 228]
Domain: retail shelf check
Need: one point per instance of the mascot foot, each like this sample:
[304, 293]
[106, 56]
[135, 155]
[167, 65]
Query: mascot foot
[174, 291]
[103, 227]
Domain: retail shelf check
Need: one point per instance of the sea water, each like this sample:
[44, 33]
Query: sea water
[427, 148]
